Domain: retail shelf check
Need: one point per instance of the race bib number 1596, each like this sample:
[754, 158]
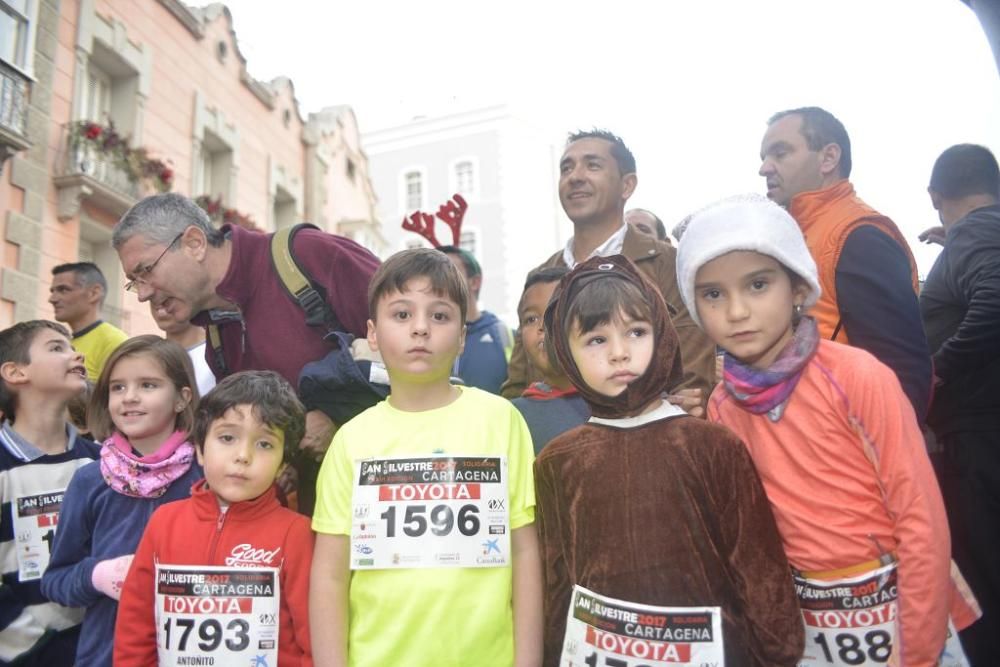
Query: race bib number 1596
[437, 511]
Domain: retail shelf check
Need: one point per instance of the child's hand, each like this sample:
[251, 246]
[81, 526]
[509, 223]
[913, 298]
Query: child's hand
[688, 400]
[109, 575]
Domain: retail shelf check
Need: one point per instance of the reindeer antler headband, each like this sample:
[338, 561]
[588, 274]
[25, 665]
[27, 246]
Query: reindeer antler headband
[450, 213]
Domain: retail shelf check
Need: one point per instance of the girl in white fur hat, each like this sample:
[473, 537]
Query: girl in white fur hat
[835, 441]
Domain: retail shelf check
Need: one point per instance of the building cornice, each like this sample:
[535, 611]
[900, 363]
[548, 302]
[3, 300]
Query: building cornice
[187, 17]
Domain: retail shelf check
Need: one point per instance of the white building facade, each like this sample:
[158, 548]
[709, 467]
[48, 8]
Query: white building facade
[507, 171]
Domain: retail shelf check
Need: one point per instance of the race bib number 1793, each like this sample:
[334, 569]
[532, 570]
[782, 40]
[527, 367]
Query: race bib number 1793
[217, 615]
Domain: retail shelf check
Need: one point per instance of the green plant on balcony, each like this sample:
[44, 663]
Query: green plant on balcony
[135, 163]
[219, 214]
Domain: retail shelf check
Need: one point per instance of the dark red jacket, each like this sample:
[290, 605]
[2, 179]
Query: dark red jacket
[273, 334]
[193, 532]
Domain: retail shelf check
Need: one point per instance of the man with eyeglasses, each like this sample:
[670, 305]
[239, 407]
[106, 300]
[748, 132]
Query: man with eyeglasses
[77, 294]
[191, 271]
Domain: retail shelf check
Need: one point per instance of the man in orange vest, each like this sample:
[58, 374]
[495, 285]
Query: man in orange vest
[866, 270]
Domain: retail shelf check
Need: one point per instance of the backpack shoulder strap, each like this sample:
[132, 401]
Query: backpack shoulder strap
[215, 343]
[297, 283]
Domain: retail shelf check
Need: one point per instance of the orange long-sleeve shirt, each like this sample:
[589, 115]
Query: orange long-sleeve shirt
[848, 478]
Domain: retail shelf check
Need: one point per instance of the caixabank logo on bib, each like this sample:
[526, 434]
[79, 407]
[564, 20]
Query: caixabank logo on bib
[491, 554]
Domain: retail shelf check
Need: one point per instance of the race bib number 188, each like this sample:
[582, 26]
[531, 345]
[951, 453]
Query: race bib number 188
[850, 621]
[217, 615]
[437, 511]
[605, 632]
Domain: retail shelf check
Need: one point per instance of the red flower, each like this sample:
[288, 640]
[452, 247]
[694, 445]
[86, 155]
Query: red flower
[92, 131]
[166, 175]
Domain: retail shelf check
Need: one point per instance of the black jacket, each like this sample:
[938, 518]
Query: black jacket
[960, 304]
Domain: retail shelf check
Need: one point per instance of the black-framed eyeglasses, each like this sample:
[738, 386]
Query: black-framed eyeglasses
[143, 271]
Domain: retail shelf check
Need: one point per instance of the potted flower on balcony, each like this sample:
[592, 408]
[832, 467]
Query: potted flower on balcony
[92, 141]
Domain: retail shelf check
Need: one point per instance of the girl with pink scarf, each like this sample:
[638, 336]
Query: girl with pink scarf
[142, 408]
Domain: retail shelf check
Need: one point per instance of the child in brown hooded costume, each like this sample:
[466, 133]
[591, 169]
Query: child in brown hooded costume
[646, 505]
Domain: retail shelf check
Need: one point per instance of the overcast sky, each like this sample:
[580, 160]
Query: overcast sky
[688, 85]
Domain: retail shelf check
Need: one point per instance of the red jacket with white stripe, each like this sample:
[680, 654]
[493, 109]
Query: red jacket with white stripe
[195, 532]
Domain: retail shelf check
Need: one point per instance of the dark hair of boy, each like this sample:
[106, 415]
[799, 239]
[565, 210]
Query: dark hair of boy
[547, 274]
[407, 265]
[619, 151]
[604, 300]
[271, 399]
[15, 346]
[472, 268]
[176, 366]
[964, 170]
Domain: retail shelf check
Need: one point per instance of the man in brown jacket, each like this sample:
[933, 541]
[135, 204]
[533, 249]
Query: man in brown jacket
[596, 178]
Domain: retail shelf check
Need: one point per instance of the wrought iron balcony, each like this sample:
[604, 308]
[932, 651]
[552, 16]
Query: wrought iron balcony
[14, 91]
[92, 175]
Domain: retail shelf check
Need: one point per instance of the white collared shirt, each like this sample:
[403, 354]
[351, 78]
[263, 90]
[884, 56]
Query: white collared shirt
[613, 246]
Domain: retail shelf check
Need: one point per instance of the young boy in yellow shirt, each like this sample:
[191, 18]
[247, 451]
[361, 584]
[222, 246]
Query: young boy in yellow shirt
[426, 552]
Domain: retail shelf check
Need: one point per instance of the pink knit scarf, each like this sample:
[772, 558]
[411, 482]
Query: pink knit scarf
[145, 476]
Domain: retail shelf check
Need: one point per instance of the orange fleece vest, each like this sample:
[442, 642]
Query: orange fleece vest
[826, 218]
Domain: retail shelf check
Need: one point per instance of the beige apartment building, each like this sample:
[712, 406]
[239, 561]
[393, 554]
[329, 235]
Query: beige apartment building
[105, 101]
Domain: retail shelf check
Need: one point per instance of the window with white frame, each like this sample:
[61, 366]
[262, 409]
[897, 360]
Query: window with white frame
[15, 32]
[108, 90]
[214, 169]
[284, 208]
[414, 184]
[465, 177]
[95, 98]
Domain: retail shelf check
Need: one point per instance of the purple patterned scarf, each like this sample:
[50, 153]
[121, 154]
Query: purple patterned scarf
[767, 390]
[145, 476]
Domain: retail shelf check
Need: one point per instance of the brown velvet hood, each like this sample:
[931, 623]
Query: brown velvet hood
[665, 369]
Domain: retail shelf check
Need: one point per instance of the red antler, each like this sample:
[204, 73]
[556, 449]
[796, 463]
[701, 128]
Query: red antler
[423, 224]
[452, 216]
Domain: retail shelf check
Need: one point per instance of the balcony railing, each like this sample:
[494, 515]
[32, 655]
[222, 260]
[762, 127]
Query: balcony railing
[13, 99]
[88, 174]
[14, 90]
[88, 161]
